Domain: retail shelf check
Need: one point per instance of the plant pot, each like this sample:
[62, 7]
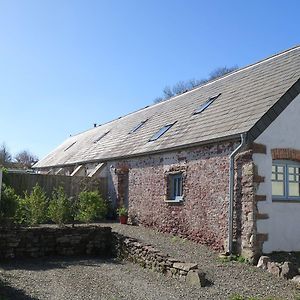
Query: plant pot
[123, 219]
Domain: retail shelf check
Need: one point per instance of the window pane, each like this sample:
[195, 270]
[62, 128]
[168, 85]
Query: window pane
[280, 169]
[291, 178]
[291, 170]
[273, 176]
[277, 188]
[273, 168]
[174, 189]
[175, 186]
[280, 177]
[161, 131]
[294, 190]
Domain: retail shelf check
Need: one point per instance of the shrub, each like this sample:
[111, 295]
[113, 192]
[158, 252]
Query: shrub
[4, 175]
[8, 204]
[122, 211]
[91, 207]
[60, 207]
[33, 207]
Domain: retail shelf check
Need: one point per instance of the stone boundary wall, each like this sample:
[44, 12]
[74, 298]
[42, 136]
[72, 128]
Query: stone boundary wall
[45, 241]
[148, 257]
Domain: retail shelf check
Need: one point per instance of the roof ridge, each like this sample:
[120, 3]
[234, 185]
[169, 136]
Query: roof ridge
[233, 72]
[198, 87]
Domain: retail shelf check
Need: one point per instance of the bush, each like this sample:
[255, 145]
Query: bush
[91, 207]
[8, 204]
[33, 207]
[60, 207]
[122, 211]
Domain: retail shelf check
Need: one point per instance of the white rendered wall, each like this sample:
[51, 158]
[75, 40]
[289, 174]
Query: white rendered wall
[283, 225]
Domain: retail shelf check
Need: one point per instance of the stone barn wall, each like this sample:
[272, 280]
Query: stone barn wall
[203, 214]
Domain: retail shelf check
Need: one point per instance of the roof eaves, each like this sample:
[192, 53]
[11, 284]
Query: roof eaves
[234, 137]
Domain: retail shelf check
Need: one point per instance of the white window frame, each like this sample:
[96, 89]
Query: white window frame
[286, 164]
[172, 197]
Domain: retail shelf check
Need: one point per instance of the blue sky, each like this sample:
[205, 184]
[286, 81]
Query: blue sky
[65, 65]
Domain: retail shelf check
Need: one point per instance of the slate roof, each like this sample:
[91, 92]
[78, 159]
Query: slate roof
[250, 100]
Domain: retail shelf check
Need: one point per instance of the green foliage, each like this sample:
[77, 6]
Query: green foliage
[4, 175]
[9, 204]
[237, 297]
[91, 207]
[60, 207]
[238, 258]
[33, 207]
[122, 211]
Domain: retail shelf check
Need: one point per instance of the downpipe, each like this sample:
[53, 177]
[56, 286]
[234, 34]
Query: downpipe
[231, 192]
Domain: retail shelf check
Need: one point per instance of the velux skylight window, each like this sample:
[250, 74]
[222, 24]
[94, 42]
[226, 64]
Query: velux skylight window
[138, 126]
[206, 104]
[160, 132]
[70, 146]
[100, 137]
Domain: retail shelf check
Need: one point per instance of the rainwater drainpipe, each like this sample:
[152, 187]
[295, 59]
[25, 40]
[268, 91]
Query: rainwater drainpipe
[231, 192]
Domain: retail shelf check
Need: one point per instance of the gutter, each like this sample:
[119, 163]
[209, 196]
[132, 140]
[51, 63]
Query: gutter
[151, 152]
[231, 192]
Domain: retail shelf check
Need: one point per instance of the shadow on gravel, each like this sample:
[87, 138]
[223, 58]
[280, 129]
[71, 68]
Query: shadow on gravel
[39, 264]
[9, 293]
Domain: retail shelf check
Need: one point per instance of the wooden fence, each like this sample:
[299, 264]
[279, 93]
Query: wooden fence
[72, 185]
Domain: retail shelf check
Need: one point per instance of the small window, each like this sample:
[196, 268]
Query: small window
[138, 126]
[100, 137]
[70, 146]
[161, 131]
[205, 105]
[285, 180]
[175, 187]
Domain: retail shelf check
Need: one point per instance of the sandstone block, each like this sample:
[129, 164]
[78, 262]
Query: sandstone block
[196, 278]
[296, 279]
[185, 266]
[263, 262]
[273, 268]
[288, 270]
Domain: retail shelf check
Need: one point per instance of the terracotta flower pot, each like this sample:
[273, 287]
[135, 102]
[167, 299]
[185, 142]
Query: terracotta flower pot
[123, 219]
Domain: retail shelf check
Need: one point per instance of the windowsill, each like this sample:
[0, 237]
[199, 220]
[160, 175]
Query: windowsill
[286, 200]
[174, 200]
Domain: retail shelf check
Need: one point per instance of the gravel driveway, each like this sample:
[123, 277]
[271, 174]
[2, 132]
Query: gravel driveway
[80, 278]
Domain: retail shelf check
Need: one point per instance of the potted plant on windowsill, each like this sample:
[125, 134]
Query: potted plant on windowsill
[123, 214]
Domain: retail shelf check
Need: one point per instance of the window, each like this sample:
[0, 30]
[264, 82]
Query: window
[100, 137]
[175, 187]
[285, 180]
[205, 105]
[134, 129]
[161, 131]
[70, 146]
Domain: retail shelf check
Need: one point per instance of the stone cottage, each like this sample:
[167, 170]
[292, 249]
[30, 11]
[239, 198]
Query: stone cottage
[219, 164]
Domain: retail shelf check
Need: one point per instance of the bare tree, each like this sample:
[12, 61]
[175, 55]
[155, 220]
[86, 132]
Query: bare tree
[183, 86]
[180, 87]
[25, 159]
[219, 72]
[168, 93]
[5, 156]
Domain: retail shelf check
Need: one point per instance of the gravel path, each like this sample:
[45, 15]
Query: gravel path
[228, 277]
[62, 279]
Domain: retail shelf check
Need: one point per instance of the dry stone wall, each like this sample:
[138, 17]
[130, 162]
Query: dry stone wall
[148, 257]
[45, 241]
